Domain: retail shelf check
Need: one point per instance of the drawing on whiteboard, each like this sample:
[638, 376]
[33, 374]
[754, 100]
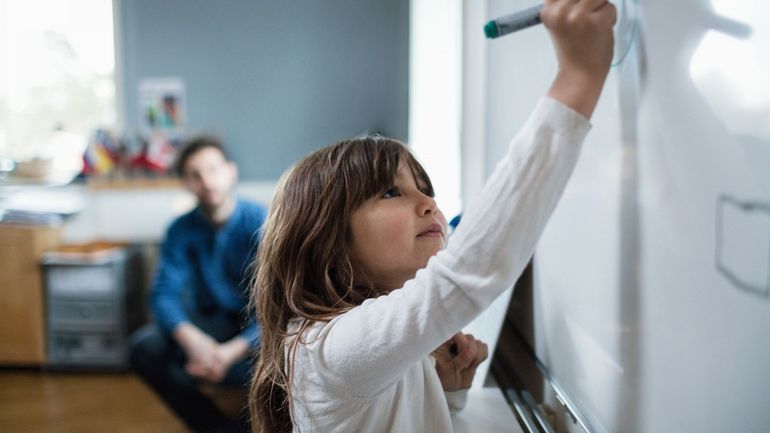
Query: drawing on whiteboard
[743, 244]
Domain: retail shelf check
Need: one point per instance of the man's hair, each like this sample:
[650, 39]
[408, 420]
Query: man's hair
[195, 145]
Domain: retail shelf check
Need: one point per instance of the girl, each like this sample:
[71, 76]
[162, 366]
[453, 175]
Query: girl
[355, 290]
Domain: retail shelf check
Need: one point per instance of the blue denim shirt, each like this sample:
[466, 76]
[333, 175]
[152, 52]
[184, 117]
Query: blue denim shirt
[204, 268]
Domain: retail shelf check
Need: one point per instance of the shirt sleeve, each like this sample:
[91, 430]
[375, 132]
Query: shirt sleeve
[366, 349]
[174, 272]
[456, 400]
[253, 334]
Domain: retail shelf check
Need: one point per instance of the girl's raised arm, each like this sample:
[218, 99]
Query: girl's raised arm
[368, 348]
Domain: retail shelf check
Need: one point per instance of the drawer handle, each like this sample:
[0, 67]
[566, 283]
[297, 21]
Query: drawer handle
[86, 311]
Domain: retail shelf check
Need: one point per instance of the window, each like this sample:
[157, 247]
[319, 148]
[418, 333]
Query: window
[57, 80]
[435, 93]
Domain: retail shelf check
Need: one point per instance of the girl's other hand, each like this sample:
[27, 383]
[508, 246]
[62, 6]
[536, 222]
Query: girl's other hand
[457, 359]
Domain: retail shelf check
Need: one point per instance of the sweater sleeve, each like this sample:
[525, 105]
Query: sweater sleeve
[456, 400]
[174, 271]
[252, 334]
[254, 219]
[366, 349]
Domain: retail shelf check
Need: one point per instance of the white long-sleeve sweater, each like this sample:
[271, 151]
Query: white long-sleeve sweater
[369, 369]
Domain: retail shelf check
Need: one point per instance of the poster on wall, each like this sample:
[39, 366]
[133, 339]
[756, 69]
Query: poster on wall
[162, 121]
[162, 105]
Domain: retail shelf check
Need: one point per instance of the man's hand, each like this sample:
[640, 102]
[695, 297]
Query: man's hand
[199, 347]
[207, 359]
[457, 359]
[226, 355]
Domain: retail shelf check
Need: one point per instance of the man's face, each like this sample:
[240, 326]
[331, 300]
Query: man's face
[209, 176]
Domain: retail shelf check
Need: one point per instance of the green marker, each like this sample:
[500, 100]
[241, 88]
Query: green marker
[513, 22]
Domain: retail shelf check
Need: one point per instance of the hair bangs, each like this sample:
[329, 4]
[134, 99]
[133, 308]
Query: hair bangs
[370, 167]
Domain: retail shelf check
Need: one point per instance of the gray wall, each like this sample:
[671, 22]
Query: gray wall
[276, 79]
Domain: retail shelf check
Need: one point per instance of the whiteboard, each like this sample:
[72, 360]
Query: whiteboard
[652, 280]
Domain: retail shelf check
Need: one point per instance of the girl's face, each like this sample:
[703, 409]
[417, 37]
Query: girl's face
[395, 233]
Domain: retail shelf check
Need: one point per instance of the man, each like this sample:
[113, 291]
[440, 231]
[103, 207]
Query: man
[201, 333]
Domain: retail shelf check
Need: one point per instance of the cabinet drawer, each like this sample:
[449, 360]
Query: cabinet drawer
[82, 281]
[86, 350]
[83, 314]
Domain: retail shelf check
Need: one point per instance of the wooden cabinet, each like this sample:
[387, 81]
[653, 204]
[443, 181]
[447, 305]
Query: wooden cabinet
[22, 300]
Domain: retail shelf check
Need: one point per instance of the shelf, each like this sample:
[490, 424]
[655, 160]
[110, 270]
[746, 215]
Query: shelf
[134, 183]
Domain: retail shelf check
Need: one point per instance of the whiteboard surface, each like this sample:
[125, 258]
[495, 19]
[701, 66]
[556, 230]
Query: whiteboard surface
[652, 297]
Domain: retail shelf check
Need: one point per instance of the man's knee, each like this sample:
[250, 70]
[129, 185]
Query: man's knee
[147, 347]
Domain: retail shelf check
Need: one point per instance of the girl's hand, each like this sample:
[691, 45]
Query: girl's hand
[457, 359]
[581, 31]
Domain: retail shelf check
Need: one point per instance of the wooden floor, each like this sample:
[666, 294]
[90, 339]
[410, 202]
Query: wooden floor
[44, 402]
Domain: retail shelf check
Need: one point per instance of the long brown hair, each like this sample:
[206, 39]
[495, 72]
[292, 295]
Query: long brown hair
[304, 268]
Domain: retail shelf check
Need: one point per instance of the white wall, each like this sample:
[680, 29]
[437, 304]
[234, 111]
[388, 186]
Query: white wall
[435, 95]
[129, 215]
